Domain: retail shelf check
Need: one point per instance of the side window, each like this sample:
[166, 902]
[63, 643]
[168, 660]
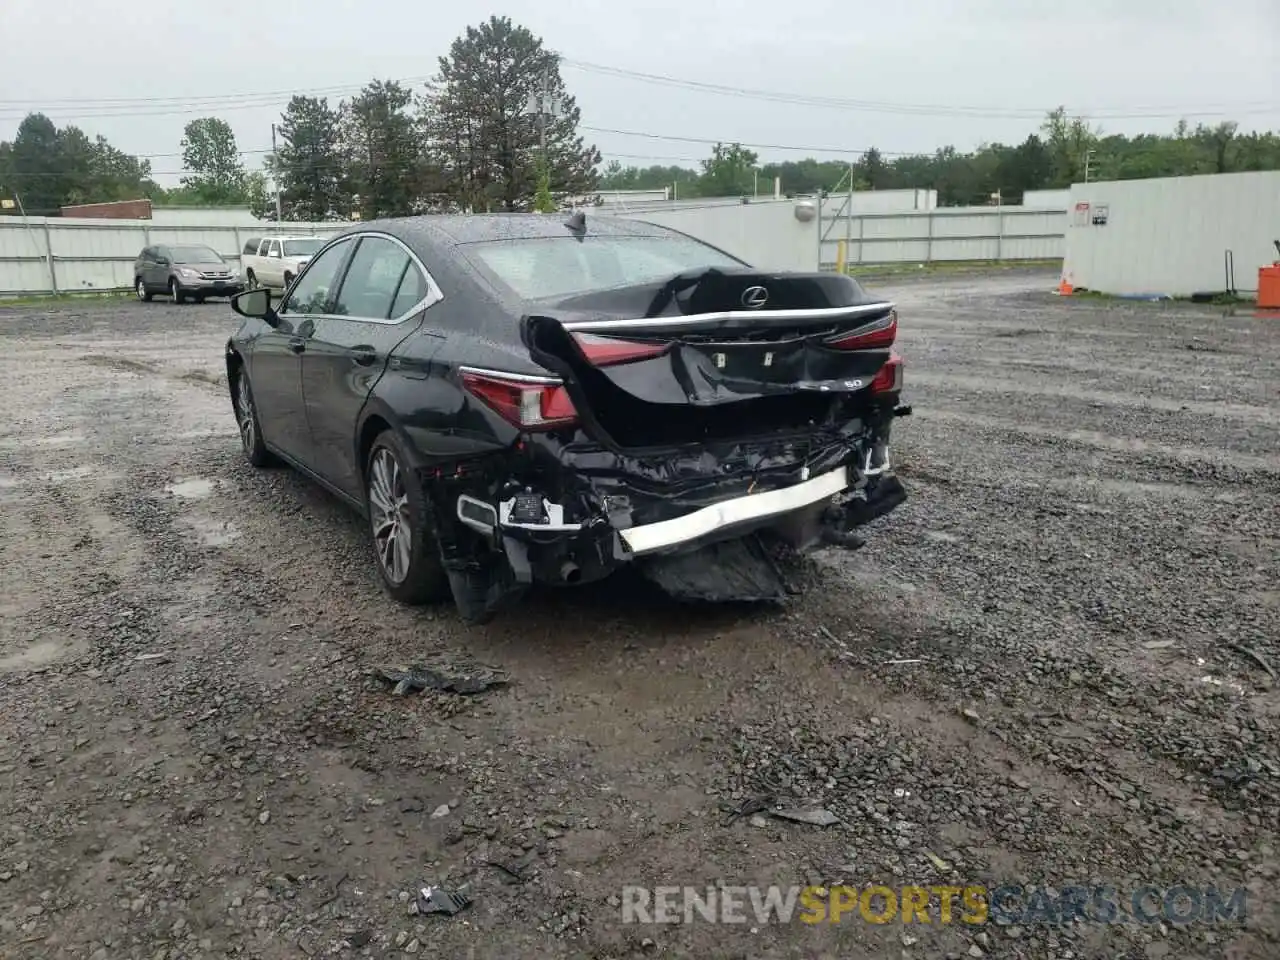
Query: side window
[314, 290]
[148, 254]
[262, 247]
[369, 289]
[274, 249]
[251, 246]
[413, 287]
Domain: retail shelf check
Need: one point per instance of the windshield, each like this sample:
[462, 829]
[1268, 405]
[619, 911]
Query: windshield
[194, 255]
[565, 266]
[303, 248]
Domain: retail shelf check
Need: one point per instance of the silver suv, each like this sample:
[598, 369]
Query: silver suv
[184, 271]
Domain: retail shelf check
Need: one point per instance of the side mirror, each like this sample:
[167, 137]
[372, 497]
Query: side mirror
[162, 261]
[255, 303]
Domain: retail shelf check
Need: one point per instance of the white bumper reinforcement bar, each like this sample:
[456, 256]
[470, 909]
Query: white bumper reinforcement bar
[754, 506]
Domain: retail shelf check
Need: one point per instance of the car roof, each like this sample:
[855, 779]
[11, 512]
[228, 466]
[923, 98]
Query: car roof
[451, 229]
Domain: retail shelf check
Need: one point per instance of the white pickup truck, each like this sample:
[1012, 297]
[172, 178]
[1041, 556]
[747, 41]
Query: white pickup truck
[275, 261]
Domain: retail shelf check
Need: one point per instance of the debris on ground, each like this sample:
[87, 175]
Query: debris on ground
[1255, 657]
[439, 900]
[753, 804]
[814, 816]
[416, 677]
[937, 861]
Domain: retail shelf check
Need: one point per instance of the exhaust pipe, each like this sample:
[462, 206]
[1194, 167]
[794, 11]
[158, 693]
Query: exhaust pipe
[570, 572]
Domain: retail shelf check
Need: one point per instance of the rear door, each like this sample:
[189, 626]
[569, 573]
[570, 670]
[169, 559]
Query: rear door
[276, 360]
[273, 266]
[158, 268]
[381, 302]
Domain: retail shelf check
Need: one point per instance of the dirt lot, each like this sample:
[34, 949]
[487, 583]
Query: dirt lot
[1052, 666]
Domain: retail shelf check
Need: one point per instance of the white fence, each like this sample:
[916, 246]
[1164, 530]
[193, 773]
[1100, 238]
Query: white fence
[62, 255]
[1173, 236]
[947, 233]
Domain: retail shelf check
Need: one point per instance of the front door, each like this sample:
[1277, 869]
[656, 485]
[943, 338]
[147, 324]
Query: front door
[276, 361]
[380, 304]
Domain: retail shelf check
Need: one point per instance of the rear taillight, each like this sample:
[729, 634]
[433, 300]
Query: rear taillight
[603, 351]
[889, 379]
[527, 404]
[879, 333]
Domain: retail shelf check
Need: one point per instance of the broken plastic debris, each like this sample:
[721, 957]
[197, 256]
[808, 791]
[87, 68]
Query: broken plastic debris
[755, 804]
[439, 900]
[418, 677]
[815, 817]
[937, 861]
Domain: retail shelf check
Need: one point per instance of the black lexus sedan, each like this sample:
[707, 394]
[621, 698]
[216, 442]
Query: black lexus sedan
[525, 398]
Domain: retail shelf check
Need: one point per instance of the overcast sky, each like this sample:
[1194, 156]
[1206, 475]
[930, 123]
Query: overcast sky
[1000, 62]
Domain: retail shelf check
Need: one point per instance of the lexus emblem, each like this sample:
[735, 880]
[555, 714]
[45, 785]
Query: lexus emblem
[753, 298]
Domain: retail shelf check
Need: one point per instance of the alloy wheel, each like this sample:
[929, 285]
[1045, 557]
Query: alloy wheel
[389, 516]
[244, 404]
[140, 289]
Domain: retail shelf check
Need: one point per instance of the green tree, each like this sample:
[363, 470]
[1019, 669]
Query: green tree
[543, 201]
[728, 172]
[873, 170]
[36, 166]
[382, 146]
[210, 153]
[1069, 140]
[309, 165]
[618, 177]
[262, 202]
[484, 137]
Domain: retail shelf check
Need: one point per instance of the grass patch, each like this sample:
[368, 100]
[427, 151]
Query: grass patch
[946, 266]
[42, 299]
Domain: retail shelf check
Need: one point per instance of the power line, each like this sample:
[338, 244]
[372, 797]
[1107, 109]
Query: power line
[881, 106]
[110, 107]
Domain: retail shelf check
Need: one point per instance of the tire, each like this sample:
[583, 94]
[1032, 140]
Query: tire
[288, 279]
[175, 293]
[140, 288]
[251, 280]
[255, 451]
[411, 573]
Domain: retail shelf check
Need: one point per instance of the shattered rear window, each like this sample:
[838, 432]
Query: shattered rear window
[546, 268]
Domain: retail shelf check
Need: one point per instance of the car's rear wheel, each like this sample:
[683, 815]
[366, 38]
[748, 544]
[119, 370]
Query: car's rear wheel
[407, 555]
[140, 288]
[255, 451]
[175, 292]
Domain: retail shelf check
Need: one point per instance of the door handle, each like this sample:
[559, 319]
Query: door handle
[363, 356]
[297, 345]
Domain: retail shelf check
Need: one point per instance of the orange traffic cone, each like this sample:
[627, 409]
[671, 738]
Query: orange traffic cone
[1064, 287]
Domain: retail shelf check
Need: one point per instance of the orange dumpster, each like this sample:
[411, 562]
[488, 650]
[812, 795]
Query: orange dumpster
[1269, 286]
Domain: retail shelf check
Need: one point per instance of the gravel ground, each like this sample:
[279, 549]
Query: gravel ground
[195, 762]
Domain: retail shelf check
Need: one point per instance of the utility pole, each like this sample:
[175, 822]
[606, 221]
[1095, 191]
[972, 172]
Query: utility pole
[544, 105]
[275, 173]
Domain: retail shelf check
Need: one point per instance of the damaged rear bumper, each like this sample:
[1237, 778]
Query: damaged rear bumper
[574, 513]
